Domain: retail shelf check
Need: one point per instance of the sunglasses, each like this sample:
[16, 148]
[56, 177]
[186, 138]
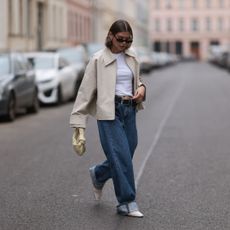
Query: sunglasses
[121, 40]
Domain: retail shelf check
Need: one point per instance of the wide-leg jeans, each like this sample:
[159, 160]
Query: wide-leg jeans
[119, 140]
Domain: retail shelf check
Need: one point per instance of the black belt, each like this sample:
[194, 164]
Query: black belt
[122, 100]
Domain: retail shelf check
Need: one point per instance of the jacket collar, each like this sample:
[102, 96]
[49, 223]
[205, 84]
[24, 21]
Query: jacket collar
[109, 57]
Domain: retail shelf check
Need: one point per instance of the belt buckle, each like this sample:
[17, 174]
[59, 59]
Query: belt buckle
[122, 101]
[127, 100]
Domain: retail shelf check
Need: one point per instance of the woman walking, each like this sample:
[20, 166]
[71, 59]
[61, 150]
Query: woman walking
[111, 91]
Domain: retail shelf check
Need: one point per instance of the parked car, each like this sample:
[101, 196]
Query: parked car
[145, 59]
[224, 60]
[55, 77]
[156, 59]
[17, 85]
[215, 54]
[77, 57]
[228, 61]
[92, 48]
[162, 59]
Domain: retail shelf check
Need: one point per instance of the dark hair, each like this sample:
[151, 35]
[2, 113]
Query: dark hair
[116, 27]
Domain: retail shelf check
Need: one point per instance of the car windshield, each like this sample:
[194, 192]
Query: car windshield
[42, 62]
[4, 65]
[71, 55]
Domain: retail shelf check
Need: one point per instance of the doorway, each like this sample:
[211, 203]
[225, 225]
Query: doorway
[195, 49]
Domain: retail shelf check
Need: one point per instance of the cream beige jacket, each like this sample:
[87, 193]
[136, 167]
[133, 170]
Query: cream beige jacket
[97, 91]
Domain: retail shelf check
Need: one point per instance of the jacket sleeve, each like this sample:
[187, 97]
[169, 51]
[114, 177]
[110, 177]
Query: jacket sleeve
[85, 102]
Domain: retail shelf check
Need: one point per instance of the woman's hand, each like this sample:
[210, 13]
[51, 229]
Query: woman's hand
[139, 94]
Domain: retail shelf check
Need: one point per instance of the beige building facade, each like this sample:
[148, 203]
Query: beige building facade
[3, 25]
[189, 27]
[55, 26]
[79, 21]
[20, 24]
[31, 25]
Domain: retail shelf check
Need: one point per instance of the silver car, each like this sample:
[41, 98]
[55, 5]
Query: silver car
[77, 57]
[55, 77]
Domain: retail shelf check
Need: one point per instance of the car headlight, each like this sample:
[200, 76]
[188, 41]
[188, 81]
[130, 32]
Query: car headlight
[46, 81]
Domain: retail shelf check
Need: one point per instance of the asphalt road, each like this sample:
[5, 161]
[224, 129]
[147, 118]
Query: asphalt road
[182, 163]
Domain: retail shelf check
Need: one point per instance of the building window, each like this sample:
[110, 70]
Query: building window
[208, 3]
[214, 43]
[167, 46]
[61, 34]
[194, 4]
[208, 24]
[157, 4]
[221, 3]
[169, 24]
[157, 46]
[69, 25]
[54, 24]
[29, 18]
[181, 4]
[179, 48]
[168, 4]
[181, 24]
[157, 25]
[21, 14]
[81, 27]
[220, 24]
[194, 25]
[11, 19]
[77, 26]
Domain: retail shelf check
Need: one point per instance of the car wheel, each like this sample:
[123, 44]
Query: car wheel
[11, 110]
[34, 108]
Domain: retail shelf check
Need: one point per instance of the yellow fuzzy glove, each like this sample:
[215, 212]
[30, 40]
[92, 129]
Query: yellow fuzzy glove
[78, 141]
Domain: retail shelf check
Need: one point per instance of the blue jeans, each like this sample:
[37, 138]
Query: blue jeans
[119, 140]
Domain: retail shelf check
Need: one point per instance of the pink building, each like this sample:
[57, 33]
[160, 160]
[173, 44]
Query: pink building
[189, 27]
[79, 21]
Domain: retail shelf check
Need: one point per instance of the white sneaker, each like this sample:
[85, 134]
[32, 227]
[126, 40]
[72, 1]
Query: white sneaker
[97, 193]
[97, 187]
[135, 214]
[129, 209]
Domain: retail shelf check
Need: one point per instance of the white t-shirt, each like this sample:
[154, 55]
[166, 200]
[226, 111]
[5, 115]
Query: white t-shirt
[124, 77]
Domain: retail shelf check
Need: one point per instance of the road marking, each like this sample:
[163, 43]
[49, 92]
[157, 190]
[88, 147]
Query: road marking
[74, 195]
[158, 133]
